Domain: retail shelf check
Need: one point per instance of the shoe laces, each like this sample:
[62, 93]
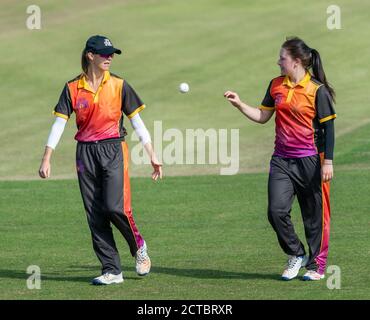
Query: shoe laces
[141, 255]
[292, 261]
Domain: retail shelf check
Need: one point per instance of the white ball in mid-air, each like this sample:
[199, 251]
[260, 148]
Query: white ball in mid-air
[184, 87]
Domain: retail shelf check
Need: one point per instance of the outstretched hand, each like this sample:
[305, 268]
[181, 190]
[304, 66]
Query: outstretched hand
[233, 98]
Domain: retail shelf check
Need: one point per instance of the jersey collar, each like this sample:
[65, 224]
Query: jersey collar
[303, 83]
[83, 84]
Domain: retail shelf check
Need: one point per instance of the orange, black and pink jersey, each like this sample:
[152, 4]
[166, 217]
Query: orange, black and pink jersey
[99, 115]
[300, 111]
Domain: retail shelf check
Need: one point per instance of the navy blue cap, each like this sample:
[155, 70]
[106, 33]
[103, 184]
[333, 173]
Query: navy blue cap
[100, 45]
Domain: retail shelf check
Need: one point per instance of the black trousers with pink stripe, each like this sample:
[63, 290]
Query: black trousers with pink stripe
[101, 176]
[300, 177]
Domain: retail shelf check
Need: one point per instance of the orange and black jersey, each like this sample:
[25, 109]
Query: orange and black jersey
[302, 112]
[99, 115]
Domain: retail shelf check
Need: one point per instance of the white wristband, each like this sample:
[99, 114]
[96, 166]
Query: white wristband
[56, 132]
[140, 129]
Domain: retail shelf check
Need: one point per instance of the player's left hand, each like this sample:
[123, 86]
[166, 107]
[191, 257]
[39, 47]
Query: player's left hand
[45, 168]
[157, 166]
[327, 172]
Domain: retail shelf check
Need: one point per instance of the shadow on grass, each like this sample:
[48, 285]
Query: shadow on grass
[66, 275]
[213, 274]
[52, 276]
[200, 273]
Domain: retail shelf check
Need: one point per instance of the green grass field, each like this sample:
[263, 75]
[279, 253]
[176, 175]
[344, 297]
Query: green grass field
[208, 235]
[208, 238]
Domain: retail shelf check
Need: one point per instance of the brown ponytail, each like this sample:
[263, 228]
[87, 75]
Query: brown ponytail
[310, 58]
[84, 61]
[318, 72]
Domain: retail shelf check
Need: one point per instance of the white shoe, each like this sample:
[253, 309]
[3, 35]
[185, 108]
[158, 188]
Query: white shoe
[293, 266]
[312, 275]
[107, 278]
[143, 263]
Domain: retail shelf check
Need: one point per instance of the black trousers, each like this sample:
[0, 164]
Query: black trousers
[102, 170]
[300, 177]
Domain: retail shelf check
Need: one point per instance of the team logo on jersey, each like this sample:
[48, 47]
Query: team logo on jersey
[82, 104]
[278, 99]
[107, 43]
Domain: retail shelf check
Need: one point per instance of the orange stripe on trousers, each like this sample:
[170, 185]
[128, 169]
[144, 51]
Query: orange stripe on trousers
[322, 257]
[127, 196]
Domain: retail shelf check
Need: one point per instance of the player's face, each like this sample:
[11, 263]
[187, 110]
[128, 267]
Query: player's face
[103, 62]
[286, 63]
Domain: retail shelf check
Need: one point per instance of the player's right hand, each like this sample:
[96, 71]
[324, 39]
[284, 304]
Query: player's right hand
[233, 98]
[44, 171]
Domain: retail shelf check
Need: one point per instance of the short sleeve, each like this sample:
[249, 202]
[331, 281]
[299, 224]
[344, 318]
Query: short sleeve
[324, 105]
[64, 107]
[268, 102]
[131, 102]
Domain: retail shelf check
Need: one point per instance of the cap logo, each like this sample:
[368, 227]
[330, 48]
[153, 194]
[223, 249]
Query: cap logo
[107, 43]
